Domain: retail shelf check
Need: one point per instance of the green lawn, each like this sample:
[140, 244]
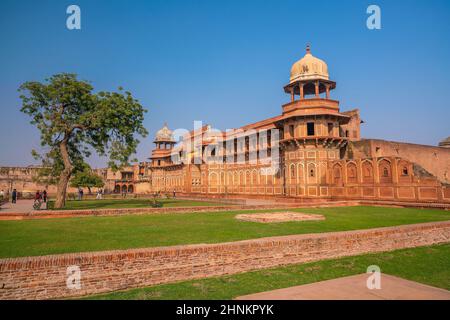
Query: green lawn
[130, 203]
[428, 265]
[61, 235]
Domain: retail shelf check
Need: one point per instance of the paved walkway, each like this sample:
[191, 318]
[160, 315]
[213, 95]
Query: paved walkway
[22, 206]
[354, 288]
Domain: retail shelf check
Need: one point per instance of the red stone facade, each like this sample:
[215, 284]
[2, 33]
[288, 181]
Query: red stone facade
[321, 154]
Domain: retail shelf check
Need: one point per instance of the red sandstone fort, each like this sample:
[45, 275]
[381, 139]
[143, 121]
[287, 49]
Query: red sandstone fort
[320, 155]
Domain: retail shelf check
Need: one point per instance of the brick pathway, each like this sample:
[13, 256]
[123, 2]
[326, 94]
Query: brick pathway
[355, 288]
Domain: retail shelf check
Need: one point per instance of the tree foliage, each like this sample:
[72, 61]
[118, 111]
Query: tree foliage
[86, 179]
[73, 120]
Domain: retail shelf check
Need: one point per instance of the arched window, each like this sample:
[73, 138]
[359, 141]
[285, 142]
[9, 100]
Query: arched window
[213, 180]
[367, 171]
[311, 172]
[352, 175]
[405, 171]
[248, 178]
[337, 174]
[254, 177]
[384, 171]
[293, 173]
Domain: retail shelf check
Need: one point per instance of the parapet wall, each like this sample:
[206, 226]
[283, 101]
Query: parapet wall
[23, 180]
[45, 277]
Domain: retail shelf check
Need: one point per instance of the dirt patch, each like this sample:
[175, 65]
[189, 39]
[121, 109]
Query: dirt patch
[274, 217]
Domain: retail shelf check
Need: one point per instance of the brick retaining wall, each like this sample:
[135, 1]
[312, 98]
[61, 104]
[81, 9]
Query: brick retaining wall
[45, 277]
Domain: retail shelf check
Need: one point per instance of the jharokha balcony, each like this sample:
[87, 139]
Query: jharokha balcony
[311, 107]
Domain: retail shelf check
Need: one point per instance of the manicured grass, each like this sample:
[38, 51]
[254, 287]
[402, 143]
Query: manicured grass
[61, 235]
[130, 203]
[428, 265]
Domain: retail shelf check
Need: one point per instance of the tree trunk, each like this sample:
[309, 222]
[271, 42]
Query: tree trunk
[64, 176]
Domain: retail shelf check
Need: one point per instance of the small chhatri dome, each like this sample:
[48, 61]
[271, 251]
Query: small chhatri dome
[164, 134]
[308, 68]
[445, 143]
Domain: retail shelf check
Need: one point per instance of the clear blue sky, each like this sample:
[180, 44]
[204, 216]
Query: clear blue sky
[225, 62]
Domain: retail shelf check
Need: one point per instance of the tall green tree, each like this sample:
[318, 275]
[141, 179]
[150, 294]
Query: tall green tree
[87, 179]
[73, 119]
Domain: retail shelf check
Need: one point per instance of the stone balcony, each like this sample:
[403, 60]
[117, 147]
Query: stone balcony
[311, 106]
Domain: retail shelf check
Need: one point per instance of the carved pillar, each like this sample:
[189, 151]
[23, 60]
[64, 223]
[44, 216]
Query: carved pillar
[302, 95]
[317, 88]
[394, 173]
[327, 86]
[292, 94]
[394, 167]
[360, 171]
[376, 176]
[344, 173]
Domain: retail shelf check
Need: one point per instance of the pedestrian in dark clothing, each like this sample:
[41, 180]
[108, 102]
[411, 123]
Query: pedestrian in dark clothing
[37, 200]
[14, 196]
[37, 196]
[80, 194]
[44, 195]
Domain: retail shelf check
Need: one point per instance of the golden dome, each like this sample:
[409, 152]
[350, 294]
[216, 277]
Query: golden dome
[164, 134]
[309, 68]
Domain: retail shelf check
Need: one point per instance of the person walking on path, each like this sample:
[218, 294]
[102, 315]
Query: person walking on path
[99, 194]
[174, 194]
[44, 196]
[37, 200]
[14, 196]
[37, 197]
[80, 194]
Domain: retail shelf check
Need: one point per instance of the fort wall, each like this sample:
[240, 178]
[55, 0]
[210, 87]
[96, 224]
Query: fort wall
[435, 160]
[45, 277]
